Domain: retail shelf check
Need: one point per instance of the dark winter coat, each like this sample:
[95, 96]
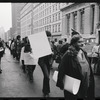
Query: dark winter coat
[70, 66]
[1, 52]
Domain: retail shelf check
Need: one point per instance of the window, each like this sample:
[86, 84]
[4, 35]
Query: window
[53, 8]
[50, 18]
[59, 27]
[50, 9]
[56, 16]
[55, 28]
[53, 18]
[56, 6]
[50, 28]
[59, 16]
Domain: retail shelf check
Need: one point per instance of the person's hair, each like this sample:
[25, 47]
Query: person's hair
[25, 40]
[48, 33]
[55, 39]
[27, 48]
[18, 37]
[75, 39]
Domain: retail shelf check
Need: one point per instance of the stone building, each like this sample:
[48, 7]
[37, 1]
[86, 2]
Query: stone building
[60, 18]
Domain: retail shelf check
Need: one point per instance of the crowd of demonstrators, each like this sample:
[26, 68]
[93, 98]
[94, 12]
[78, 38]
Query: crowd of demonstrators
[60, 47]
[64, 53]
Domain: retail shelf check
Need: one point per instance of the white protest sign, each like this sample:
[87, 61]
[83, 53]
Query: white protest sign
[40, 44]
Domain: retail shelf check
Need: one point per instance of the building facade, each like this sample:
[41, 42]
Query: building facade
[47, 16]
[83, 17]
[26, 20]
[16, 18]
[59, 18]
[2, 33]
[37, 17]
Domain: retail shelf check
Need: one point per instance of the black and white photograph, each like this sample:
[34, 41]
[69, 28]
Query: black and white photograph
[50, 50]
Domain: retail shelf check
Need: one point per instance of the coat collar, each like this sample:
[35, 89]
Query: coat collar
[73, 52]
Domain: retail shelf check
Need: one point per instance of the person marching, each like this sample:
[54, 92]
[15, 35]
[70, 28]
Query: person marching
[29, 61]
[44, 63]
[22, 54]
[18, 47]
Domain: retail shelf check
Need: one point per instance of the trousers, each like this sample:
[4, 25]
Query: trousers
[44, 63]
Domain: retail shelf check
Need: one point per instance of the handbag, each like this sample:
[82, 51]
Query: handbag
[71, 84]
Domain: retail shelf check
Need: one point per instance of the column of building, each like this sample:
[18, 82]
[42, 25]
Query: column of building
[78, 21]
[96, 17]
[71, 22]
[64, 25]
[87, 25]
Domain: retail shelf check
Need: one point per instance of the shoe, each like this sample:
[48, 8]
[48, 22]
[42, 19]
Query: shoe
[46, 95]
[24, 71]
[1, 71]
[31, 80]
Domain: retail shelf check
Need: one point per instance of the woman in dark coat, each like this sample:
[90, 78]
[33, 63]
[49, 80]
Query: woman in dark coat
[78, 67]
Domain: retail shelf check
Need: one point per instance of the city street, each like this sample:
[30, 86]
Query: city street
[14, 83]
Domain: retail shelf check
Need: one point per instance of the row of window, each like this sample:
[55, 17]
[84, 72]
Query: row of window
[56, 28]
[26, 20]
[52, 28]
[53, 6]
[28, 9]
[25, 28]
[48, 19]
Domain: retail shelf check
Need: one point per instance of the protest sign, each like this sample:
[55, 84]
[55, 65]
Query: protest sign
[40, 44]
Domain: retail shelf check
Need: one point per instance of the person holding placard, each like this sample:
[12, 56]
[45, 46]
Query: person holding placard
[29, 61]
[44, 63]
[75, 64]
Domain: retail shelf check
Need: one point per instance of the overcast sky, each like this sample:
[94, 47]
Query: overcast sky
[5, 16]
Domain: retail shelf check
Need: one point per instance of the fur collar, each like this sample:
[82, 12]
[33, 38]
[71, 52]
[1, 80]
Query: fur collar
[73, 52]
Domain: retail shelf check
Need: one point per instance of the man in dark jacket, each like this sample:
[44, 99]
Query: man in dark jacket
[75, 63]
